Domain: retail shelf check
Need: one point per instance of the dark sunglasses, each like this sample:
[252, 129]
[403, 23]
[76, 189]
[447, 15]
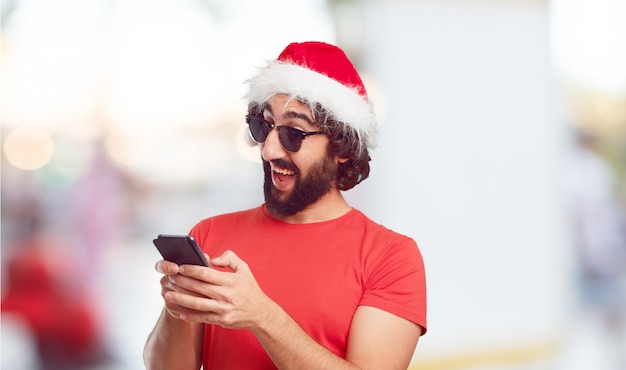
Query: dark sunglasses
[290, 138]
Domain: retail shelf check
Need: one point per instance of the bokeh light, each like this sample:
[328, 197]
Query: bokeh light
[129, 150]
[64, 168]
[28, 148]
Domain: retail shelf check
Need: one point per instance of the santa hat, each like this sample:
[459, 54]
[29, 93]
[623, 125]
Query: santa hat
[318, 73]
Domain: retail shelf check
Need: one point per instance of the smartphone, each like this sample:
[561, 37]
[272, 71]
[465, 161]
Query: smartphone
[180, 249]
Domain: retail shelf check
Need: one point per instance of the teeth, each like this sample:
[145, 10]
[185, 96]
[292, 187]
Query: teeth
[282, 171]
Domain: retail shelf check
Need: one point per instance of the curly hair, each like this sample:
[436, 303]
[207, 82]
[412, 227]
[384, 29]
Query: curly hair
[344, 143]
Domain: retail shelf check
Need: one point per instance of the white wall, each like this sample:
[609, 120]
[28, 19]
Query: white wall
[469, 165]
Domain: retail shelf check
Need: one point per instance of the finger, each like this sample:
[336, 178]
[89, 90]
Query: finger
[209, 275]
[177, 311]
[188, 303]
[166, 267]
[230, 260]
[171, 283]
[198, 272]
[209, 288]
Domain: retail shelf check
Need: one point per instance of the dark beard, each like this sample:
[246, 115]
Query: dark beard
[306, 191]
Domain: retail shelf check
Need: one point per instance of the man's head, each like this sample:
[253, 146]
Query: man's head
[322, 76]
[315, 80]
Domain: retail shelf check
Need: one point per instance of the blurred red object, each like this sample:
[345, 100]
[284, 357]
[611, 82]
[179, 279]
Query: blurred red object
[47, 293]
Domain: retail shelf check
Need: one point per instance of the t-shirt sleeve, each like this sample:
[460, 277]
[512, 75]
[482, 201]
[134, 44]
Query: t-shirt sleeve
[397, 283]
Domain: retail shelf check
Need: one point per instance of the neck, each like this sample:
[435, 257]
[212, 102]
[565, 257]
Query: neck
[330, 206]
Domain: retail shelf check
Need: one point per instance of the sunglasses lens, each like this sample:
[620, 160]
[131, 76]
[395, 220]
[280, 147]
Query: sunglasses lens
[259, 129]
[290, 138]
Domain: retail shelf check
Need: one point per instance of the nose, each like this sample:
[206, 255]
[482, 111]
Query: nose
[272, 149]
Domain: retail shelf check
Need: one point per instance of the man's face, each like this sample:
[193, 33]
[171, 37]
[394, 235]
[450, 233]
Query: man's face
[294, 181]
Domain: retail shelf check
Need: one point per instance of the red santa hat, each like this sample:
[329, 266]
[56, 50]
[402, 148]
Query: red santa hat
[318, 72]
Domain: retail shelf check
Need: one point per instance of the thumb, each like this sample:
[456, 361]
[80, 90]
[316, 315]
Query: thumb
[230, 260]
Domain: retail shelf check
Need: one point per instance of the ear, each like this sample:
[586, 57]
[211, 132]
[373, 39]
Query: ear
[342, 160]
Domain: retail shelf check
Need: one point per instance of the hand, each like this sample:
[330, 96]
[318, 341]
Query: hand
[231, 298]
[169, 269]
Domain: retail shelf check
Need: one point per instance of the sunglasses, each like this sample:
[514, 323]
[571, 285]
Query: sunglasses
[290, 138]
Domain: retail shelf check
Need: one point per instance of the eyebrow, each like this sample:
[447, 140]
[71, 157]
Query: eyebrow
[296, 115]
[289, 114]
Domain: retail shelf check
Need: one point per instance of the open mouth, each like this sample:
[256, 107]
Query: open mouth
[282, 177]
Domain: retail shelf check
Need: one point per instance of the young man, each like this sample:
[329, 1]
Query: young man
[303, 281]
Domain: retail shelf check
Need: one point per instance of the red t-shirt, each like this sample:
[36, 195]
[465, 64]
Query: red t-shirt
[319, 273]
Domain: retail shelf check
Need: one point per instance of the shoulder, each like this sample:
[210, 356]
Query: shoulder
[394, 275]
[379, 244]
[378, 232]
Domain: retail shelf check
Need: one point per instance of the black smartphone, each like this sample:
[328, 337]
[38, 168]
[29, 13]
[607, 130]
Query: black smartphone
[180, 249]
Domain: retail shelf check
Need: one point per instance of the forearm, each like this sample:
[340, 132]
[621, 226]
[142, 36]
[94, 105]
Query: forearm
[173, 344]
[290, 347]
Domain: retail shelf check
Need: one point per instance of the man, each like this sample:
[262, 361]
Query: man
[303, 281]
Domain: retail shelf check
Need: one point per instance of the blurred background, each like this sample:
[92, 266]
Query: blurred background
[502, 152]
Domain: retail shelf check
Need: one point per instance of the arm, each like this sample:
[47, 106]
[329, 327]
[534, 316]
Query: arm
[377, 339]
[173, 343]
[381, 340]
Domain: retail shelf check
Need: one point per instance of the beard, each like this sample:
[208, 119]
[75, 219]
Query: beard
[307, 190]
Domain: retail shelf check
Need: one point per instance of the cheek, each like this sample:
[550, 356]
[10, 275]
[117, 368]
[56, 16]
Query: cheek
[305, 161]
[314, 149]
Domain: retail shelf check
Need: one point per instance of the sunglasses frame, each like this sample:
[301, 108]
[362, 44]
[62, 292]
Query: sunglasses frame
[285, 133]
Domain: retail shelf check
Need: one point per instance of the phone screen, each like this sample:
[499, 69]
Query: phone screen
[180, 249]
